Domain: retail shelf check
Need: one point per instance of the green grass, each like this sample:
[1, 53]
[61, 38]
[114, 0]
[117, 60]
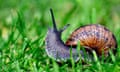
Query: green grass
[24, 24]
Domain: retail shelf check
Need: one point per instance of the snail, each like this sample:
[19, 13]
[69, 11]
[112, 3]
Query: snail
[92, 37]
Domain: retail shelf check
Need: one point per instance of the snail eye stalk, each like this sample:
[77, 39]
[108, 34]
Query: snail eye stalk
[53, 20]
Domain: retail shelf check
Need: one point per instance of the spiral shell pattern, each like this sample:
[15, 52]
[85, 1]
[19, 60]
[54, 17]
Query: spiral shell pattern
[94, 37]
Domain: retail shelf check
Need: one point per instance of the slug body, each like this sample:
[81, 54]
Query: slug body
[56, 48]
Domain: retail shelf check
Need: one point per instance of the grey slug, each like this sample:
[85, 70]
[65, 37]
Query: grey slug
[92, 37]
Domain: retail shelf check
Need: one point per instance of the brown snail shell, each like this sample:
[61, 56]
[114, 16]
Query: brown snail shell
[93, 37]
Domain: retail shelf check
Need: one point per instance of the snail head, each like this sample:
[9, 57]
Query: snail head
[54, 30]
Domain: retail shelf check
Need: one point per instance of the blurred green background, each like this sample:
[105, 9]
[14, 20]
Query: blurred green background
[24, 23]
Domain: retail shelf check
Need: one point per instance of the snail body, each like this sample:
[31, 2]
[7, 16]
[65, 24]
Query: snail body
[92, 37]
[55, 47]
